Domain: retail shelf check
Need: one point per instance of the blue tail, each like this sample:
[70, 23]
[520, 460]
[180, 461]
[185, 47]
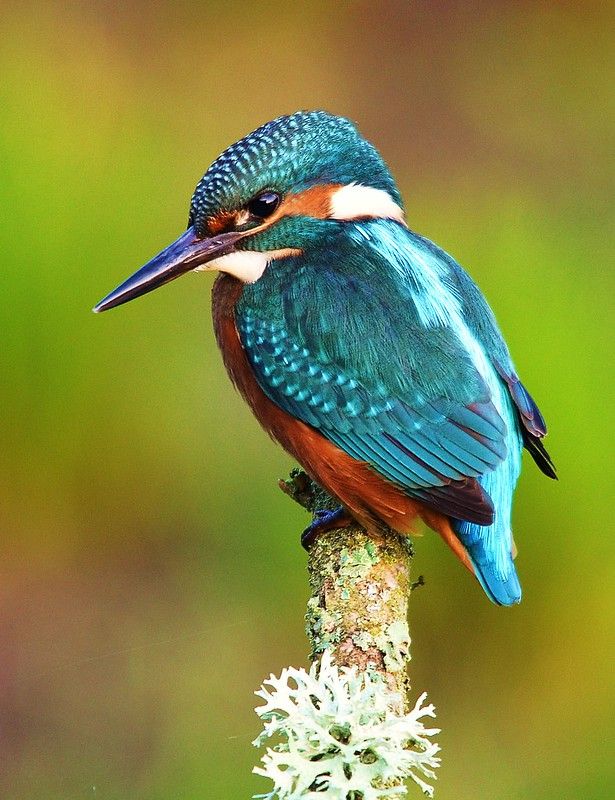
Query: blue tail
[490, 552]
[490, 546]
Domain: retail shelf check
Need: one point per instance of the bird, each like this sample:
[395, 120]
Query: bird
[364, 349]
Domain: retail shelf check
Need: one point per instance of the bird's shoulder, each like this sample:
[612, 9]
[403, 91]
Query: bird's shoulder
[381, 304]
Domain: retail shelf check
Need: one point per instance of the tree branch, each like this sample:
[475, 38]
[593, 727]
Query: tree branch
[346, 727]
[360, 585]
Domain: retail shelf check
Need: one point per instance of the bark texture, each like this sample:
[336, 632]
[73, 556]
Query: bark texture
[360, 586]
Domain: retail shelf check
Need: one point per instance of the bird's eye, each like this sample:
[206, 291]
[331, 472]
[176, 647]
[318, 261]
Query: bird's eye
[264, 204]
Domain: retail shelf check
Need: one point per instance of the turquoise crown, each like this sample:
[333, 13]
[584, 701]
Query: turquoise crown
[295, 152]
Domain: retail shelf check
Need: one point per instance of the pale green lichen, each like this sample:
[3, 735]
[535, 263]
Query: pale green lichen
[396, 646]
[339, 736]
[357, 616]
[360, 593]
[364, 640]
[323, 627]
[355, 564]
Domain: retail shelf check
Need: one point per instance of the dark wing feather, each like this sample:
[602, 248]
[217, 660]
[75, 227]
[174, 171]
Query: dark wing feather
[533, 423]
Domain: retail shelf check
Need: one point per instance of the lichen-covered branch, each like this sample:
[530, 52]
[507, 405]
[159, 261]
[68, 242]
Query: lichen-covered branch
[360, 587]
[345, 730]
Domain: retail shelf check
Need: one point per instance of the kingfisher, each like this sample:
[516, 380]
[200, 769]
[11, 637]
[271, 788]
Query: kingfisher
[361, 347]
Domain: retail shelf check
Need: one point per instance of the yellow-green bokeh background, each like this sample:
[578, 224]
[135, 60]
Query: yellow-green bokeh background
[150, 572]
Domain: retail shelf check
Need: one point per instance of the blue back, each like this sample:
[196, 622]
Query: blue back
[382, 342]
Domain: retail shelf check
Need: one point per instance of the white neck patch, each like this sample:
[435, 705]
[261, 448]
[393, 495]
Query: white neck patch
[355, 202]
[247, 265]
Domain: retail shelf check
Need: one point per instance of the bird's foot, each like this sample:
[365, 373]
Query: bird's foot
[324, 521]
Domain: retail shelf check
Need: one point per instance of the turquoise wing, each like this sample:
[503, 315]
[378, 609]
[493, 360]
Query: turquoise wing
[433, 445]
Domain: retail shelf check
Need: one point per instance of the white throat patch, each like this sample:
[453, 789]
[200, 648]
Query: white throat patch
[247, 265]
[355, 202]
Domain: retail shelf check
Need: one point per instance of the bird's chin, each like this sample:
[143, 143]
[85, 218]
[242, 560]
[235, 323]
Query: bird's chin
[247, 265]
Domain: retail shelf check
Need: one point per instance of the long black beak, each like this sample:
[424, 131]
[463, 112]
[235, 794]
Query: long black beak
[183, 255]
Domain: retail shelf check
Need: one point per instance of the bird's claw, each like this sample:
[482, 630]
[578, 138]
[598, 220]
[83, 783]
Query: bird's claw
[326, 520]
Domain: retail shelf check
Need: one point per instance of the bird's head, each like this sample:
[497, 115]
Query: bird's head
[279, 191]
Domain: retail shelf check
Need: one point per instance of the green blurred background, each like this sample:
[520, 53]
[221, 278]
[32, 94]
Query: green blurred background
[151, 573]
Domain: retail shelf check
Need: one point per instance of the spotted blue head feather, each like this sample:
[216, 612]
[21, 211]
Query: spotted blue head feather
[293, 151]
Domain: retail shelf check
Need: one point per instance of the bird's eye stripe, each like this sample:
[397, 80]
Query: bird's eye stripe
[341, 203]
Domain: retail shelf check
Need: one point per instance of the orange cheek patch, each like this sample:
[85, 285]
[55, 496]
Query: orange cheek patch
[318, 202]
[222, 222]
[313, 202]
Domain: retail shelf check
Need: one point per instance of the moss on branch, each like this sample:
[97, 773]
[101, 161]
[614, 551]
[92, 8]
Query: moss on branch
[360, 585]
